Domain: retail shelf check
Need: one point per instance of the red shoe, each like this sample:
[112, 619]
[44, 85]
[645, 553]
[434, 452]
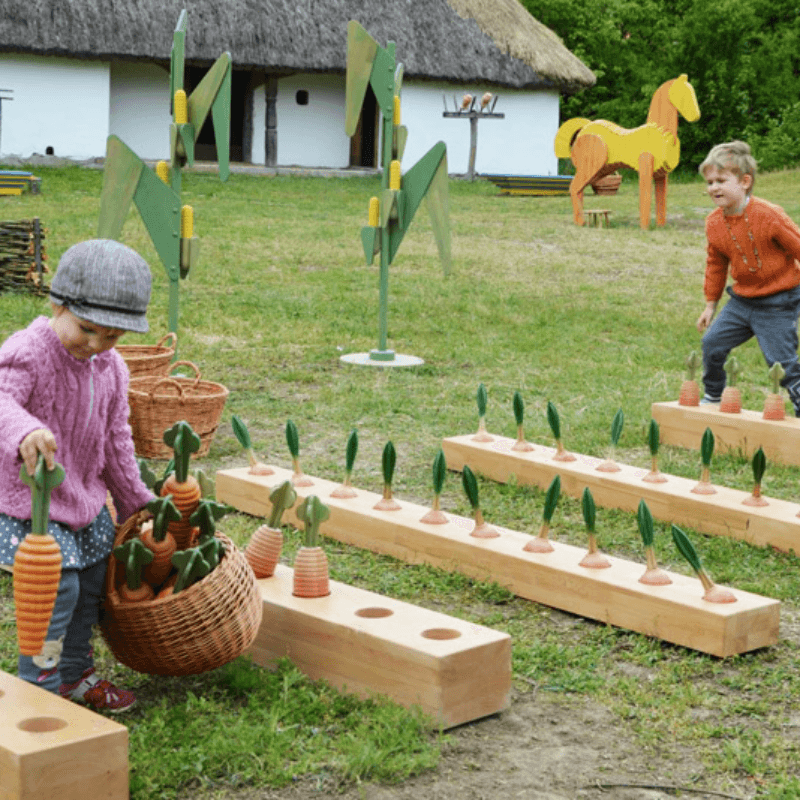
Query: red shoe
[98, 694]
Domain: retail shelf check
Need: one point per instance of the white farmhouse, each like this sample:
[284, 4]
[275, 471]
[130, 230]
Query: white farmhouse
[79, 70]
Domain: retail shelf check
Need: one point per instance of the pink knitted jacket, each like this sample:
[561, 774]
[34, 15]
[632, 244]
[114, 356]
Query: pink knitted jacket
[85, 404]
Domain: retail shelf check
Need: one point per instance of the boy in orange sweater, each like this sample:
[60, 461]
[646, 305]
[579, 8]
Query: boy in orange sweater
[759, 244]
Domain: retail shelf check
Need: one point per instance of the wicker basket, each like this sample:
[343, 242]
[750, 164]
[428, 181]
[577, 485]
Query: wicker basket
[157, 403]
[201, 628]
[149, 359]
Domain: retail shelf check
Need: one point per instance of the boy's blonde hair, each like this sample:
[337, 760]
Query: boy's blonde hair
[734, 157]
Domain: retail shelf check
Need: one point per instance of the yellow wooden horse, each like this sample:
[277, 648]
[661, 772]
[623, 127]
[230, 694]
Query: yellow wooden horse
[598, 148]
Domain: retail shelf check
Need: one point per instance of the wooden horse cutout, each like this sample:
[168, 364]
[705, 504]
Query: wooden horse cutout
[598, 148]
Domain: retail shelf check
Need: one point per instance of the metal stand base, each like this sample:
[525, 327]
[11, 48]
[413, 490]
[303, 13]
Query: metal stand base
[382, 358]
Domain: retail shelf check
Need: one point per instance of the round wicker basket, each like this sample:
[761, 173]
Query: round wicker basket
[157, 403]
[201, 628]
[149, 359]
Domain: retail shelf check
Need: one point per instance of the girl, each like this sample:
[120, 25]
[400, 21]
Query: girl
[64, 393]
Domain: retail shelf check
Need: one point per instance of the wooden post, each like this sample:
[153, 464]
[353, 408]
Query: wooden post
[365, 643]
[53, 748]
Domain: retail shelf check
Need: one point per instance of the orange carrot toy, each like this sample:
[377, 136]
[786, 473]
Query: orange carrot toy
[37, 564]
[184, 488]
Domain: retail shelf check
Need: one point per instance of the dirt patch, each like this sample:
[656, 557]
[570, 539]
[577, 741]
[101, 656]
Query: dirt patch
[544, 747]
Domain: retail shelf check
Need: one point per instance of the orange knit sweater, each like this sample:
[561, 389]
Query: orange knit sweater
[774, 235]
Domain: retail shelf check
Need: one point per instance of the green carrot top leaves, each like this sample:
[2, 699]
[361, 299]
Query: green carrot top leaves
[707, 447]
[42, 482]
[587, 505]
[312, 512]
[519, 408]
[164, 511]
[616, 427]
[686, 548]
[482, 399]
[653, 437]
[551, 498]
[351, 451]
[470, 485]
[776, 374]
[134, 554]
[146, 474]
[645, 520]
[281, 497]
[292, 439]
[732, 370]
[439, 471]
[206, 516]
[388, 462]
[692, 362]
[759, 465]
[554, 420]
[184, 441]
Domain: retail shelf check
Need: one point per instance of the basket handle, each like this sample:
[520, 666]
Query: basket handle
[172, 336]
[166, 382]
[187, 364]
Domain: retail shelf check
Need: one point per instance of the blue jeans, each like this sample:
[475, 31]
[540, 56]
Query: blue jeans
[76, 611]
[772, 320]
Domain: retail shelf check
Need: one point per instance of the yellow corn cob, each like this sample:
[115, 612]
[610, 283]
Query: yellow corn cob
[374, 212]
[162, 170]
[181, 108]
[187, 222]
[394, 175]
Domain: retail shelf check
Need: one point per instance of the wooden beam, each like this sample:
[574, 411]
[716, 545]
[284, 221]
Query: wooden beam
[368, 644]
[53, 748]
[675, 613]
[720, 514]
[744, 432]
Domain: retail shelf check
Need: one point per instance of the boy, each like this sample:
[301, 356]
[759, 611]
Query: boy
[760, 245]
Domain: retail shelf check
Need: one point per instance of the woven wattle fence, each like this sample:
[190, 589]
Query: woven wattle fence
[23, 261]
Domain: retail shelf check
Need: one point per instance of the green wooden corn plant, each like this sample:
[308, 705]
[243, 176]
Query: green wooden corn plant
[541, 542]
[519, 416]
[653, 576]
[713, 593]
[481, 530]
[435, 516]
[593, 558]
[243, 437]
[554, 420]
[351, 450]
[482, 399]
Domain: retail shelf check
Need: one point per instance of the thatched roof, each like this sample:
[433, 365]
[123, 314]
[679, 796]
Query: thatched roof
[492, 41]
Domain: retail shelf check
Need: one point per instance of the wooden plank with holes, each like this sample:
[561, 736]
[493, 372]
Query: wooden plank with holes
[744, 433]
[51, 747]
[675, 613]
[723, 513]
[367, 644]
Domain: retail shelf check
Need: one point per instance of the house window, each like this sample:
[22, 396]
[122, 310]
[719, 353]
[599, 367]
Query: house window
[302, 97]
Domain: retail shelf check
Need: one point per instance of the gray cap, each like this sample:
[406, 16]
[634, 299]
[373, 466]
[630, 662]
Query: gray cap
[104, 282]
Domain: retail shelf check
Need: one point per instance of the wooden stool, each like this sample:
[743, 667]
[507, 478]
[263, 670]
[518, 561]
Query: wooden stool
[597, 217]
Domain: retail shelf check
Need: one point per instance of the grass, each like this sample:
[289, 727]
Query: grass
[593, 320]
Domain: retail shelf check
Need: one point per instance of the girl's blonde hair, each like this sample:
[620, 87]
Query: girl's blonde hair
[734, 157]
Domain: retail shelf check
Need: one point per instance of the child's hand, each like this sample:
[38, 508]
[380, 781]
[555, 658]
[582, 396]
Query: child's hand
[704, 320]
[39, 441]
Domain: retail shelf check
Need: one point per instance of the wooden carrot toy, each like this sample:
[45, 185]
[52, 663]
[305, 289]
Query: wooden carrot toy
[482, 529]
[519, 415]
[183, 486]
[243, 437]
[435, 515]
[541, 543]
[37, 564]
[346, 490]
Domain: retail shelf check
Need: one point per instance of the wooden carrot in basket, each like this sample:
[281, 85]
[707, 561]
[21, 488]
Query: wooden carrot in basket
[184, 487]
[156, 537]
[37, 564]
[135, 556]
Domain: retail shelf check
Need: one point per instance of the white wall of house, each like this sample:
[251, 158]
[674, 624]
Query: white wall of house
[58, 102]
[312, 135]
[139, 108]
[521, 143]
